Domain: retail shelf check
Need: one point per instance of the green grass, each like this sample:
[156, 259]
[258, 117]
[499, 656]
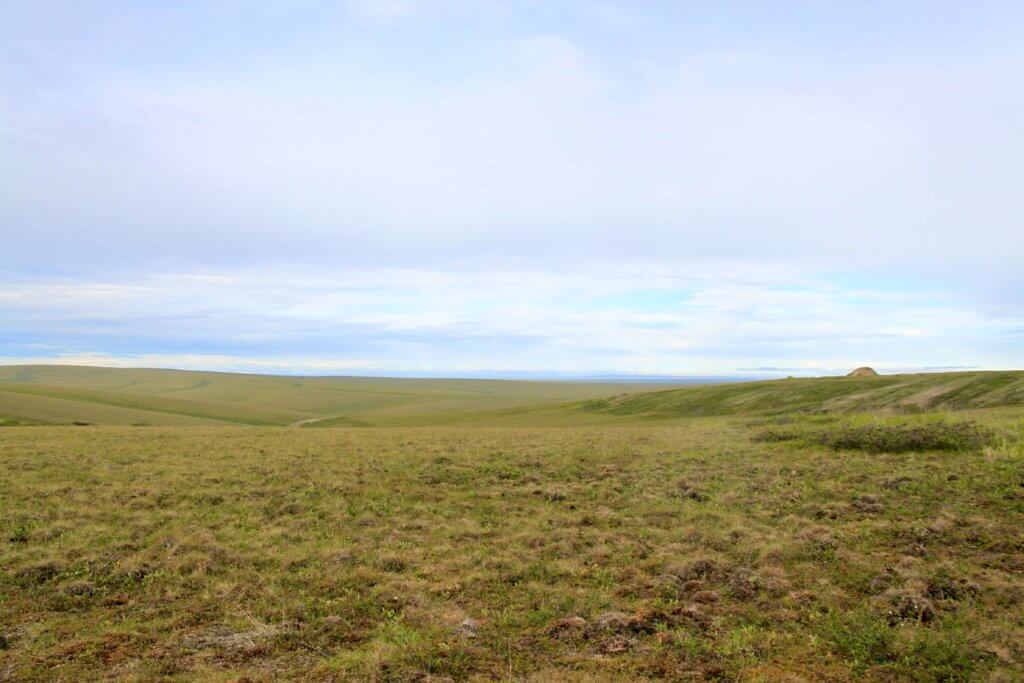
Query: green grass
[615, 552]
[897, 393]
[900, 437]
[512, 531]
[65, 394]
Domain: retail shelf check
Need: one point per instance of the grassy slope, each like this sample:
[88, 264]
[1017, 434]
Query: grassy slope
[905, 393]
[19, 407]
[62, 394]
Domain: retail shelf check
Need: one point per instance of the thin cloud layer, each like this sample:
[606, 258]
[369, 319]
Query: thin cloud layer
[432, 322]
[563, 187]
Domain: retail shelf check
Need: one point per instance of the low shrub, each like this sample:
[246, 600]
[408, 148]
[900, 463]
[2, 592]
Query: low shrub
[902, 437]
[861, 637]
[770, 435]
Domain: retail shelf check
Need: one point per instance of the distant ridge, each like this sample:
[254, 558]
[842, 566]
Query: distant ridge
[116, 396]
[67, 394]
[902, 393]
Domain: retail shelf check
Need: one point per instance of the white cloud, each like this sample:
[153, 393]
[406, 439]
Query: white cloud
[383, 9]
[547, 154]
[504, 185]
[582, 321]
[194, 361]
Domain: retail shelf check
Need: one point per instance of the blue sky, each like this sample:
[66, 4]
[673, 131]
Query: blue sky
[449, 187]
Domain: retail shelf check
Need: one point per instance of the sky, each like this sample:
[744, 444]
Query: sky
[513, 187]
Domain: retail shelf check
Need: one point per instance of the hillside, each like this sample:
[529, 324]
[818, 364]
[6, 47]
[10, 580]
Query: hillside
[900, 393]
[69, 394]
[56, 394]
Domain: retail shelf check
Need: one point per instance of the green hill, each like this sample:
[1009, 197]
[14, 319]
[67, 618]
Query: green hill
[69, 394]
[902, 393]
[59, 394]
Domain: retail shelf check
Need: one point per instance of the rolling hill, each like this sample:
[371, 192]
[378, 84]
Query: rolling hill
[60, 394]
[69, 394]
[902, 393]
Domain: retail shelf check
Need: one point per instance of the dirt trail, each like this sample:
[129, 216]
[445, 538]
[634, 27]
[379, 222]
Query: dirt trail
[309, 420]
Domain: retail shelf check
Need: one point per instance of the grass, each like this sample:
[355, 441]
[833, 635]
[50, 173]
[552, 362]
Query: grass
[877, 434]
[68, 394]
[900, 437]
[65, 394]
[611, 551]
[894, 393]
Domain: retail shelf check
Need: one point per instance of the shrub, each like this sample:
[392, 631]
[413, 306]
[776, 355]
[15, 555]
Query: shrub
[19, 533]
[861, 637]
[770, 435]
[943, 654]
[899, 438]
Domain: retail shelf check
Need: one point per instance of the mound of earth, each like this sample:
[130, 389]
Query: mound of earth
[863, 372]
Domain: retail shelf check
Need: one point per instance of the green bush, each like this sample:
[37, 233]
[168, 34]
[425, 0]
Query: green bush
[902, 437]
[771, 435]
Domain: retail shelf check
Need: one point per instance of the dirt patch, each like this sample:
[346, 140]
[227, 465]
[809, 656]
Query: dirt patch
[234, 644]
[701, 568]
[868, 504]
[78, 588]
[690, 492]
[567, 627]
[468, 628]
[928, 397]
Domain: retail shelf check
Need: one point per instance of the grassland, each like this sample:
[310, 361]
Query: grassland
[801, 543]
[893, 393]
[68, 395]
[54, 394]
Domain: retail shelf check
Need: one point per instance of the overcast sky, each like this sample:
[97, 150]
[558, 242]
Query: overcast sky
[535, 186]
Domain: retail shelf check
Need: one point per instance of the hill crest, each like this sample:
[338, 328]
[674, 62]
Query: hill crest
[900, 393]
